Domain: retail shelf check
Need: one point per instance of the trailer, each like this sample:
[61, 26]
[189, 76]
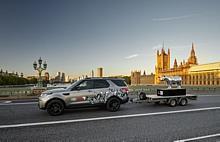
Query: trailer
[172, 95]
[172, 101]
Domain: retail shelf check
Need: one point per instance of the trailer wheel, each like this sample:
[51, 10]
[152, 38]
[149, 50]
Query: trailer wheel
[172, 102]
[183, 102]
[142, 96]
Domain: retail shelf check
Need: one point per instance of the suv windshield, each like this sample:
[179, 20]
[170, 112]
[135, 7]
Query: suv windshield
[119, 82]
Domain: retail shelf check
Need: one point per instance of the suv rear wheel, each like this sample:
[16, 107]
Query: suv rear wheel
[55, 107]
[113, 104]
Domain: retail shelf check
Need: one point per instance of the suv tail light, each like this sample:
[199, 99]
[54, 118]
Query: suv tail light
[124, 90]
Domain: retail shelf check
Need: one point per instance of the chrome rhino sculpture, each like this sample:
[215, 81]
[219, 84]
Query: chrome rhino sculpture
[171, 80]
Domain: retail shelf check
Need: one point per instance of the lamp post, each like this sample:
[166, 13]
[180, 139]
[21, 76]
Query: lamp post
[40, 69]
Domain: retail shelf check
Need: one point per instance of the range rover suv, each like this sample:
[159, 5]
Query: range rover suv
[110, 92]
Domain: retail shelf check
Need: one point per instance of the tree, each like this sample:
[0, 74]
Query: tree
[13, 80]
[33, 81]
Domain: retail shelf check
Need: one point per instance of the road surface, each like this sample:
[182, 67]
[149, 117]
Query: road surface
[138, 122]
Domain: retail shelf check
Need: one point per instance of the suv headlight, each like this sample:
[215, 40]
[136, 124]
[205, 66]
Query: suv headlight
[45, 94]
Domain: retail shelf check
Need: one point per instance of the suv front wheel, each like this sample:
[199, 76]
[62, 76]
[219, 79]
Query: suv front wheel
[113, 104]
[55, 107]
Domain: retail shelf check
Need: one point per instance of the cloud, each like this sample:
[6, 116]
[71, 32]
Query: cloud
[173, 18]
[132, 56]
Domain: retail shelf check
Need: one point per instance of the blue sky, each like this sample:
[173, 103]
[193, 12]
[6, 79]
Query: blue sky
[76, 36]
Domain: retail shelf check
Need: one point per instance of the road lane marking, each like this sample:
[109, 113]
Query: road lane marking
[198, 138]
[104, 118]
[26, 103]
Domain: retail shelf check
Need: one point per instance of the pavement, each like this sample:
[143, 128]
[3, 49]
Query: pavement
[134, 122]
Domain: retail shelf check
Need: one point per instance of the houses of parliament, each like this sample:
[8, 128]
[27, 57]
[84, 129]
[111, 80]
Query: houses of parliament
[191, 72]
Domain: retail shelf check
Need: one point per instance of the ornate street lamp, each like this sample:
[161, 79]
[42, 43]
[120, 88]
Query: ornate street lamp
[40, 69]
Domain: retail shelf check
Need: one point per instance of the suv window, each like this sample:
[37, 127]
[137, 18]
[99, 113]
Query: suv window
[101, 84]
[87, 84]
[119, 82]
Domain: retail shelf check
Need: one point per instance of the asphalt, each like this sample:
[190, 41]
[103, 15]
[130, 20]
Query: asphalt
[165, 127]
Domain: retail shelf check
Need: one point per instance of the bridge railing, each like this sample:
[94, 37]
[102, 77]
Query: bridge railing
[22, 91]
[15, 91]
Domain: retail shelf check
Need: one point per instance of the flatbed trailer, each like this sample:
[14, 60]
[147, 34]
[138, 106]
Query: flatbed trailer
[172, 101]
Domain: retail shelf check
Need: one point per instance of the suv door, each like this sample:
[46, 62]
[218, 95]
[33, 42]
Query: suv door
[101, 85]
[80, 93]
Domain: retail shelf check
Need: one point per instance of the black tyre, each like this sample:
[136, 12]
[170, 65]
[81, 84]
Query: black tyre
[172, 102]
[183, 102]
[113, 104]
[142, 96]
[55, 107]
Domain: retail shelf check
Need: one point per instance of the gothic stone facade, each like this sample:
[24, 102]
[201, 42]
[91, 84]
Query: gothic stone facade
[137, 78]
[190, 71]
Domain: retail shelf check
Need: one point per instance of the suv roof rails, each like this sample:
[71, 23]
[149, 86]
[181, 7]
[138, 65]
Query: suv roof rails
[103, 78]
